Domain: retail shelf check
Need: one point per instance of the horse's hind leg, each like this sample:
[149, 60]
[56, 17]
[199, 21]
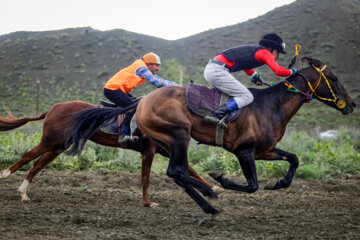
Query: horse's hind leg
[178, 169]
[26, 158]
[38, 165]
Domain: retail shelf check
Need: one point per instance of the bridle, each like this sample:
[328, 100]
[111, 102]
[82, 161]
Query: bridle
[341, 104]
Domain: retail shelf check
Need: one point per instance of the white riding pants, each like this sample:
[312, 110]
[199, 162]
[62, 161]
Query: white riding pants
[220, 78]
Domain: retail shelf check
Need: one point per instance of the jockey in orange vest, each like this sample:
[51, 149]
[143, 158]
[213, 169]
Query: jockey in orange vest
[118, 88]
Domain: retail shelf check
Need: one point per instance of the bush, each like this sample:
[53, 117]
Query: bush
[319, 158]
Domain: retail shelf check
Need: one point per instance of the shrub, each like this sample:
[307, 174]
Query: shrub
[319, 158]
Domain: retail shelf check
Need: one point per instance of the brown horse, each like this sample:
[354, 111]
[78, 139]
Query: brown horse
[163, 116]
[53, 143]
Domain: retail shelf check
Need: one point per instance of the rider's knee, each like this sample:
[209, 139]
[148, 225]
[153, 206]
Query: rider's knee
[248, 97]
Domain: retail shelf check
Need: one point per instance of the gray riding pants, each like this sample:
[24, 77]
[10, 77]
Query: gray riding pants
[220, 78]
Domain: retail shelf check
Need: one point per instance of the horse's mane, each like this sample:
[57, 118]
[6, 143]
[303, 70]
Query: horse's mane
[266, 91]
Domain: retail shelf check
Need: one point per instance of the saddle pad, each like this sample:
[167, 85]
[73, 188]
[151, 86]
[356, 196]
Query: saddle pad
[112, 126]
[202, 100]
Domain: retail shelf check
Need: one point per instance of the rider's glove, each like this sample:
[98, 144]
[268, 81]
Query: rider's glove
[293, 71]
[257, 79]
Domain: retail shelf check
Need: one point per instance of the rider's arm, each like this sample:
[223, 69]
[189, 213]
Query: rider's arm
[157, 81]
[265, 57]
[250, 72]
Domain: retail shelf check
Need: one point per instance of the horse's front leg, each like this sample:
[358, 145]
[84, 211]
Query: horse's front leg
[247, 162]
[278, 154]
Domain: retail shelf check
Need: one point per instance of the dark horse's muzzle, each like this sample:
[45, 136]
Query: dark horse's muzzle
[349, 108]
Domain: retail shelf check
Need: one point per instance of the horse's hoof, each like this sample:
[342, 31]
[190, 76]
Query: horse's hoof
[150, 204]
[153, 205]
[217, 189]
[216, 173]
[4, 174]
[270, 185]
[217, 217]
[215, 202]
[25, 198]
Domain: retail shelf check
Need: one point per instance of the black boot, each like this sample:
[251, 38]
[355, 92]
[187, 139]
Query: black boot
[216, 116]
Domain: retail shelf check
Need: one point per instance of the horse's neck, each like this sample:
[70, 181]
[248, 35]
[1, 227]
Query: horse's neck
[288, 103]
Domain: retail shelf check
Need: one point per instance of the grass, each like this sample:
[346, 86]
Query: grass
[319, 158]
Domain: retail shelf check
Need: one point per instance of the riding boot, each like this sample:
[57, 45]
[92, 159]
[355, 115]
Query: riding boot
[217, 116]
[125, 129]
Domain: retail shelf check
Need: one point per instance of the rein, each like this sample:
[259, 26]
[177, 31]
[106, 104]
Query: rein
[293, 89]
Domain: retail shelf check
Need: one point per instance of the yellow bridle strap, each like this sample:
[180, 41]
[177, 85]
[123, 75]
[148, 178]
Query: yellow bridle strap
[322, 75]
[297, 49]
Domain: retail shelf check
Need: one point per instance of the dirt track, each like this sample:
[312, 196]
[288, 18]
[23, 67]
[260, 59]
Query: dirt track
[109, 207]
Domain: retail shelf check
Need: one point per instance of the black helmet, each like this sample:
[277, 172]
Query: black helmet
[272, 40]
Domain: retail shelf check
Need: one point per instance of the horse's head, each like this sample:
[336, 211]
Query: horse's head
[327, 88]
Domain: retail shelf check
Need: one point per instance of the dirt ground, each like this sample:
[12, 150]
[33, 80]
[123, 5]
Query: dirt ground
[107, 205]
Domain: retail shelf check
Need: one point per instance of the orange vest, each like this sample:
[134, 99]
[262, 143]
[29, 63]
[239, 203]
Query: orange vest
[126, 80]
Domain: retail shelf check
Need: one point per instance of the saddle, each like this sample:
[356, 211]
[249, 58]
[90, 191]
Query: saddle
[202, 100]
[113, 125]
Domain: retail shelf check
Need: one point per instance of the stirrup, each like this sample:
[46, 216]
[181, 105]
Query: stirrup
[222, 123]
[214, 121]
[123, 139]
[127, 138]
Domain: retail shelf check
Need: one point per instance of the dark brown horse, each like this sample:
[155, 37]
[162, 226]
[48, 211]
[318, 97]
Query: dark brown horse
[53, 143]
[163, 116]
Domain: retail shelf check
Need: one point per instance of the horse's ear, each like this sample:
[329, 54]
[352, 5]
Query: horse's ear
[311, 61]
[305, 60]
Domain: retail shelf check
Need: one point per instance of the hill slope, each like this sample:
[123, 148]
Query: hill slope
[74, 64]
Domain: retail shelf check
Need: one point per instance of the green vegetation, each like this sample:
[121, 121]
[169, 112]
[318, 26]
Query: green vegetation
[74, 64]
[319, 158]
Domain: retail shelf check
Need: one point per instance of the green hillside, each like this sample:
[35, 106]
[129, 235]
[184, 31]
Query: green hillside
[74, 64]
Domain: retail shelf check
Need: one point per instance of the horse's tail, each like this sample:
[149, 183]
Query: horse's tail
[86, 122]
[7, 124]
